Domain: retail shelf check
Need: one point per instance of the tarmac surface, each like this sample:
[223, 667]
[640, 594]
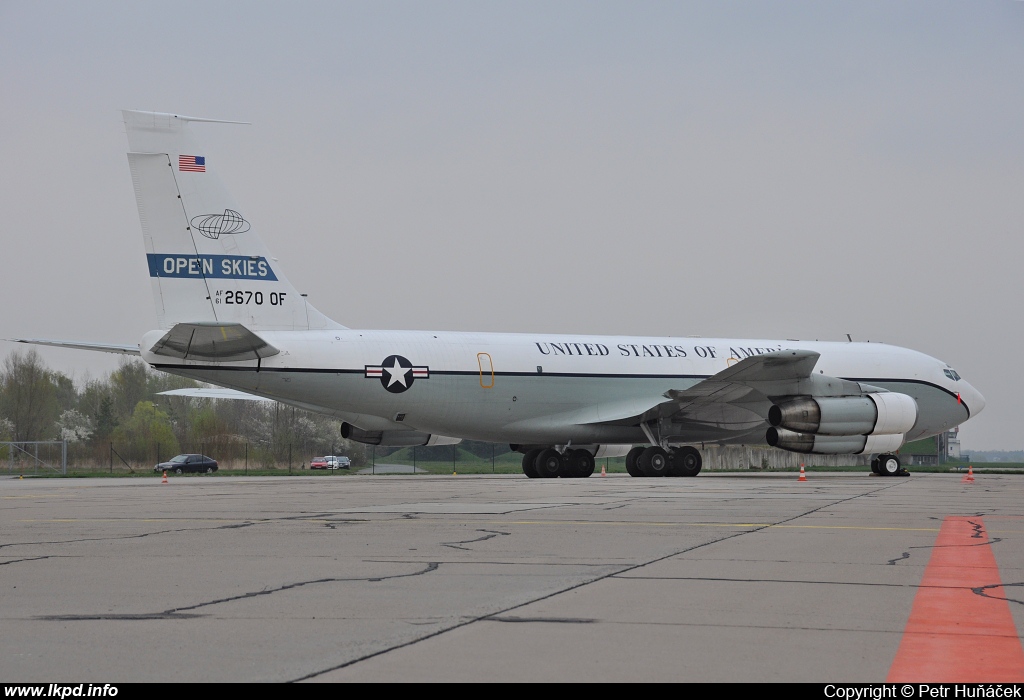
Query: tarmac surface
[482, 578]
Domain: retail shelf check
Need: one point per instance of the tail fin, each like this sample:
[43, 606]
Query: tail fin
[206, 262]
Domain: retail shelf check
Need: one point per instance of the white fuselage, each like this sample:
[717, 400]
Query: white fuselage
[538, 389]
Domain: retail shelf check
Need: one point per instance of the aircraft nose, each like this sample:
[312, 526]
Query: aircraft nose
[973, 398]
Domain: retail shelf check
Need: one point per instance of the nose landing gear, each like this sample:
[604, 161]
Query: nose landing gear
[888, 465]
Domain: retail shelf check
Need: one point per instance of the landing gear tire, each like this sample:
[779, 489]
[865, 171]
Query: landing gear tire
[631, 461]
[529, 460]
[685, 461]
[874, 466]
[654, 462]
[548, 464]
[581, 464]
[888, 465]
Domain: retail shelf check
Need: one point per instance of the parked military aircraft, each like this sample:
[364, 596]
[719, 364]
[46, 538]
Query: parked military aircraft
[228, 316]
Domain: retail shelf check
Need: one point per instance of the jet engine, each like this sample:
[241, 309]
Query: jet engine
[833, 444]
[874, 423]
[395, 438]
[886, 413]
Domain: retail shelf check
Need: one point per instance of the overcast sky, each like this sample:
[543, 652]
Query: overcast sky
[775, 170]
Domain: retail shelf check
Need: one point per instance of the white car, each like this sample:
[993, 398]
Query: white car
[338, 462]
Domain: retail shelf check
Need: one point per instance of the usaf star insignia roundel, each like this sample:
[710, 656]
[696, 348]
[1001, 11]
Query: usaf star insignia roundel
[396, 373]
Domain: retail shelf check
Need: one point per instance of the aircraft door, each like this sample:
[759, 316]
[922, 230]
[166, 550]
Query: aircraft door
[483, 360]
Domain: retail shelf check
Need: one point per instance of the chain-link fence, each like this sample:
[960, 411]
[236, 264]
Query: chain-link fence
[35, 456]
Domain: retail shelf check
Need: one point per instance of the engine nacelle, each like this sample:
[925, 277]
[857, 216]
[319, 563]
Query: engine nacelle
[807, 443]
[886, 413]
[395, 438]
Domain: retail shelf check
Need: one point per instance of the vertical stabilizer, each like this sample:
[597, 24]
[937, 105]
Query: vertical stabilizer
[206, 262]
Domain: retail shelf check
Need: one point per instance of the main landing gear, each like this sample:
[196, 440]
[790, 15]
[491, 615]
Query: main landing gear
[550, 463]
[657, 461]
[888, 465]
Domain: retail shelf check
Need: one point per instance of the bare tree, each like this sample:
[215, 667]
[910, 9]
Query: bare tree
[28, 396]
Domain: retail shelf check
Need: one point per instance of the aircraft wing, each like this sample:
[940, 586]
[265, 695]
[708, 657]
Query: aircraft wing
[737, 399]
[77, 345]
[733, 401]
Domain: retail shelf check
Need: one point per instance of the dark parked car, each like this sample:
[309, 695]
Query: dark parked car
[188, 463]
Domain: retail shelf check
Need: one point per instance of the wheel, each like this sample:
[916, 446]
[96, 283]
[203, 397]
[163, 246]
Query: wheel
[653, 462]
[209, 470]
[548, 464]
[631, 458]
[685, 461]
[528, 463]
[177, 470]
[581, 464]
[874, 466]
[888, 465]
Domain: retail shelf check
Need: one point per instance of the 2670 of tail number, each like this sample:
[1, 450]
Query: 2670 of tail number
[230, 296]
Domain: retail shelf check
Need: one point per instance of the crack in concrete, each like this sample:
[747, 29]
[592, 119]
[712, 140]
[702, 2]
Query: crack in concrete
[108, 539]
[15, 561]
[178, 613]
[983, 591]
[719, 579]
[892, 562]
[556, 620]
[168, 532]
[491, 535]
[994, 540]
[572, 587]
[118, 617]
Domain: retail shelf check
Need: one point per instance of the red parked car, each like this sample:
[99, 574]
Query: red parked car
[318, 463]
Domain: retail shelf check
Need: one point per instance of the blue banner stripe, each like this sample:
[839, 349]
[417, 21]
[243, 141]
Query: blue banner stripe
[231, 267]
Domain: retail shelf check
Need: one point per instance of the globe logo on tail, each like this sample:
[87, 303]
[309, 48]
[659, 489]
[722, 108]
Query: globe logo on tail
[216, 225]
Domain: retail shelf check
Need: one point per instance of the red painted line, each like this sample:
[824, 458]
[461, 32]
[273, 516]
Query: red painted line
[955, 635]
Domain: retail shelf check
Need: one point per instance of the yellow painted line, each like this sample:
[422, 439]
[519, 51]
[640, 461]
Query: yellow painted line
[732, 525]
[616, 523]
[132, 520]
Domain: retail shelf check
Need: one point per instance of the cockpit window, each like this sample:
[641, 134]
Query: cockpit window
[951, 373]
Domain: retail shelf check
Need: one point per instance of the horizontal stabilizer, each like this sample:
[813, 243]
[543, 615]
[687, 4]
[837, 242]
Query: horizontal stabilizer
[214, 393]
[75, 345]
[213, 342]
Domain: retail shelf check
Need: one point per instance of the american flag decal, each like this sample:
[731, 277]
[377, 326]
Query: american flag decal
[192, 164]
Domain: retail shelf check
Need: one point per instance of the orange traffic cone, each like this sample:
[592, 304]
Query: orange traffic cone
[803, 477]
[165, 477]
[970, 475]
[604, 471]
